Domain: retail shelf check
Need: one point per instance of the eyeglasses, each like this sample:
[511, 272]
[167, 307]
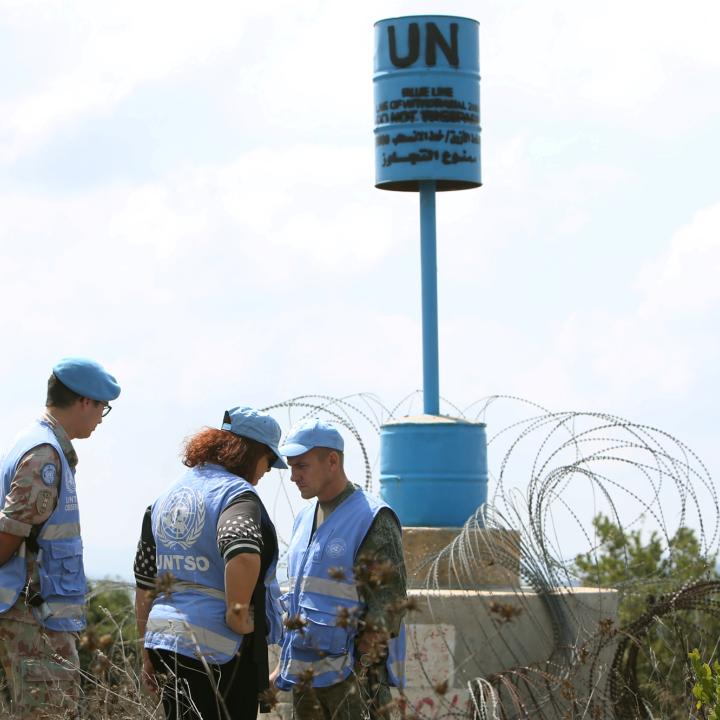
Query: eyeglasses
[106, 409]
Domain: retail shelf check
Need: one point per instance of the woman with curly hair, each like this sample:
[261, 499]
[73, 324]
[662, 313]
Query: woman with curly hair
[206, 598]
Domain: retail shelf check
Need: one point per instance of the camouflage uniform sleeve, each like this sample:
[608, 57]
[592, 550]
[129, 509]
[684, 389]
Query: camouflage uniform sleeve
[386, 591]
[33, 491]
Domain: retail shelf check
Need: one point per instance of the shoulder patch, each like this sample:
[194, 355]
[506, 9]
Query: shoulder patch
[48, 474]
[43, 501]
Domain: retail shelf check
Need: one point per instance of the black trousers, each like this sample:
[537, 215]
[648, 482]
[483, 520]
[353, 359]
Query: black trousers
[189, 693]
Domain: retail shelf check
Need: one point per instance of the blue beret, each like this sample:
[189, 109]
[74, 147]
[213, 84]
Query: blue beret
[87, 378]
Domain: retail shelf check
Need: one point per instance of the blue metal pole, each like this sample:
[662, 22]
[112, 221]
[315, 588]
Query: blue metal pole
[428, 270]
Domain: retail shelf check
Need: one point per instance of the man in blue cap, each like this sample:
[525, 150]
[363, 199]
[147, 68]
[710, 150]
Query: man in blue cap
[345, 639]
[42, 581]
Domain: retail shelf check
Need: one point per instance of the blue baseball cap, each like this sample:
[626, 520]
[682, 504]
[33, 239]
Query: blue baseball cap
[87, 378]
[249, 423]
[310, 434]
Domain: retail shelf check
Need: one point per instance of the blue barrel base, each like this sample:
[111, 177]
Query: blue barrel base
[440, 185]
[433, 469]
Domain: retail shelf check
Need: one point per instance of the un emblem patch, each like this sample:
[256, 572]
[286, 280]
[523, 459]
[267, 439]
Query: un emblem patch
[181, 518]
[48, 474]
[336, 547]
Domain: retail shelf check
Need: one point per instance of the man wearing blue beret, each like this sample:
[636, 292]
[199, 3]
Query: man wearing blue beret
[42, 581]
[345, 640]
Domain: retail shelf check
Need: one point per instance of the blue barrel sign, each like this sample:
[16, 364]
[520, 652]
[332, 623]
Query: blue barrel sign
[427, 102]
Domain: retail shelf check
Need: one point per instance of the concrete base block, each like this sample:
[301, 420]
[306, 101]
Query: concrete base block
[428, 704]
[487, 631]
[490, 557]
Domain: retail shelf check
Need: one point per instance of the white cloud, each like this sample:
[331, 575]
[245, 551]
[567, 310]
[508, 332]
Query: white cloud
[683, 280]
[664, 346]
[616, 63]
[106, 51]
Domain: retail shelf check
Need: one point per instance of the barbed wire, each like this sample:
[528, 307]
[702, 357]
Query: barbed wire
[557, 475]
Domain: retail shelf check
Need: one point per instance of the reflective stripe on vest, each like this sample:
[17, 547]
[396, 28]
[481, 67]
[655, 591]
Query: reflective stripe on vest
[66, 610]
[319, 667]
[331, 588]
[62, 531]
[193, 635]
[8, 597]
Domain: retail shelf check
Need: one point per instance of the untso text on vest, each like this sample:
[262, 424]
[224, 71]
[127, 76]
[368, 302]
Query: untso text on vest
[59, 558]
[316, 595]
[184, 522]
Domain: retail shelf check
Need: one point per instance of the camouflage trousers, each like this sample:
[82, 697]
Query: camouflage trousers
[355, 698]
[41, 671]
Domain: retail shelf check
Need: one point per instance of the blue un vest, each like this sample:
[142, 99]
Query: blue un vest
[322, 587]
[59, 559]
[191, 619]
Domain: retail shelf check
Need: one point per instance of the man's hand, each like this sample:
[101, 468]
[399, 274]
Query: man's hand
[274, 675]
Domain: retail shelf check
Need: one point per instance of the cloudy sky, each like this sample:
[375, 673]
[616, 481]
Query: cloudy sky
[186, 194]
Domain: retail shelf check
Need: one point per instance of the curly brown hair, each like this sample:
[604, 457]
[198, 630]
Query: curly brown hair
[238, 455]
